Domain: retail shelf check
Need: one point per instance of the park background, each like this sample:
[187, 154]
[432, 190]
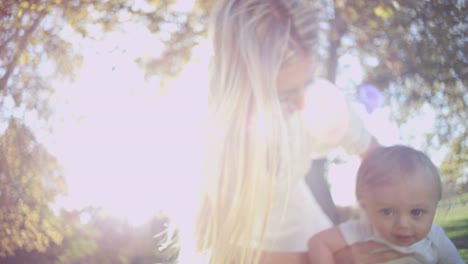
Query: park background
[102, 106]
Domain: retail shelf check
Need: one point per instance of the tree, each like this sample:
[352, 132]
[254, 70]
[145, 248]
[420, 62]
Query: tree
[420, 48]
[35, 48]
[414, 51]
[30, 178]
[92, 236]
[187, 30]
[77, 244]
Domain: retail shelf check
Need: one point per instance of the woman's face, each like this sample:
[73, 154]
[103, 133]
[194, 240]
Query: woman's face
[292, 82]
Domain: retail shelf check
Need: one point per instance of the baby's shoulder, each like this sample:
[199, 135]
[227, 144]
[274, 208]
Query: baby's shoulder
[436, 232]
[438, 236]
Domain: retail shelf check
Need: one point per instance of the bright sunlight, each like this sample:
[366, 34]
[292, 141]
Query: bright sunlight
[119, 136]
[104, 118]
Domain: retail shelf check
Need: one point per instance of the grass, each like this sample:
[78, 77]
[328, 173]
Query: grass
[452, 215]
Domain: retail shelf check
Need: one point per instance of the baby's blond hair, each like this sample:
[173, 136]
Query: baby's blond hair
[385, 165]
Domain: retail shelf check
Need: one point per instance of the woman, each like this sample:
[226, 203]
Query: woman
[266, 129]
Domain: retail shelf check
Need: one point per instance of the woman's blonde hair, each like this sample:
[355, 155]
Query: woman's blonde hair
[252, 41]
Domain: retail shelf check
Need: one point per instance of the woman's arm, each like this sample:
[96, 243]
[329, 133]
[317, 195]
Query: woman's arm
[321, 250]
[366, 252]
[324, 245]
[358, 253]
[269, 257]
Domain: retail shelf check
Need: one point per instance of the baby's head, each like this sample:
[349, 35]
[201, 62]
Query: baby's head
[398, 188]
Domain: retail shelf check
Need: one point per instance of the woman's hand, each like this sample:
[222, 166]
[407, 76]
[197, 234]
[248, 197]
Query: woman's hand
[368, 252]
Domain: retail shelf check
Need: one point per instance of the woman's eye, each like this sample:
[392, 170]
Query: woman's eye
[387, 211]
[416, 212]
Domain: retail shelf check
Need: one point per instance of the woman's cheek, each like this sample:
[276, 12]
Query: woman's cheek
[326, 112]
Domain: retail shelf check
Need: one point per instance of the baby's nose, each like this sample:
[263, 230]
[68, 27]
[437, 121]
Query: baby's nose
[403, 221]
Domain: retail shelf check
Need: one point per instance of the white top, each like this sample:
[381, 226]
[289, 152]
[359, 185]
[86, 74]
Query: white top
[296, 215]
[436, 248]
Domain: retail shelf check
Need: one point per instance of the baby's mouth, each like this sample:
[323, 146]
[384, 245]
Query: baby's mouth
[405, 240]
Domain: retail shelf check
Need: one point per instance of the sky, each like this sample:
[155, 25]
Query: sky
[128, 148]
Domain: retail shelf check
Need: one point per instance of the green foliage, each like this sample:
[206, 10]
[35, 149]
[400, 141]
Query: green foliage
[414, 51]
[37, 33]
[29, 180]
[183, 32]
[103, 239]
[452, 215]
[35, 48]
[78, 242]
[420, 49]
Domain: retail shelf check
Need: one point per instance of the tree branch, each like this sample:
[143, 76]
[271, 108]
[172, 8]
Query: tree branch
[337, 29]
[21, 47]
[3, 45]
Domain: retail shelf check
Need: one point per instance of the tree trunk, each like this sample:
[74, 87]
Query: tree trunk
[316, 178]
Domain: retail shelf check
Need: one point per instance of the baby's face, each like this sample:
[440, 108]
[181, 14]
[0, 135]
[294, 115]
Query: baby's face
[402, 212]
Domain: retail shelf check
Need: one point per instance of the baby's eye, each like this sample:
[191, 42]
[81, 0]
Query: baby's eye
[416, 212]
[387, 211]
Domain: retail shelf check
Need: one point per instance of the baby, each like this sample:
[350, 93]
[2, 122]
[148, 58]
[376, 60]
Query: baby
[398, 189]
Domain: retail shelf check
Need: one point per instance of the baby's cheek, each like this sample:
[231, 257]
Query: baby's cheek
[424, 229]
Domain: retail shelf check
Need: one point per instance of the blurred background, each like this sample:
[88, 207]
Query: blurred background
[102, 106]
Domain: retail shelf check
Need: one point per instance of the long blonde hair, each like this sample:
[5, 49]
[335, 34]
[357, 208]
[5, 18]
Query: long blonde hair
[252, 41]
